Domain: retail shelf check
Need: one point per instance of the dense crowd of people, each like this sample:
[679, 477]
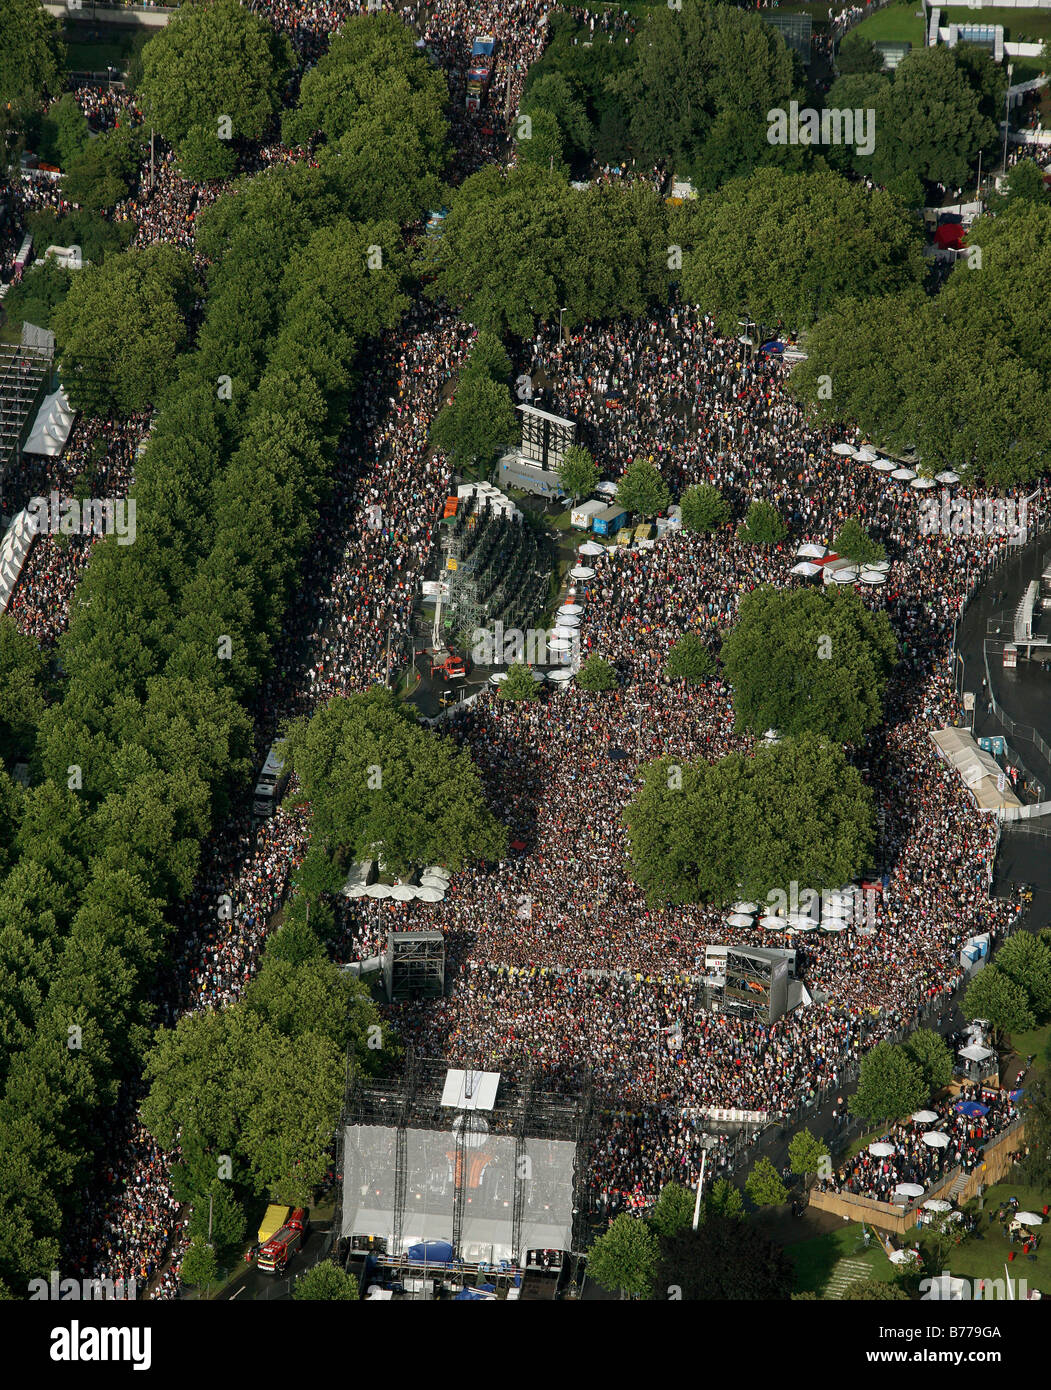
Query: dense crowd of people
[557, 963]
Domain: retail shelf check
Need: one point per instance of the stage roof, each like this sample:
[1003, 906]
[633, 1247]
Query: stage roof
[470, 1090]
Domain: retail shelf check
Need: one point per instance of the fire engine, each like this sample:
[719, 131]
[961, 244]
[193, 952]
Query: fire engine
[279, 1249]
[452, 668]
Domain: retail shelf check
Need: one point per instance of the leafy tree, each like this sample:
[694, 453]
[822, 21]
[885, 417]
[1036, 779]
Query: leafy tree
[836, 241]
[673, 1211]
[578, 473]
[64, 132]
[853, 542]
[32, 56]
[724, 1199]
[203, 157]
[723, 1260]
[891, 1084]
[478, 422]
[858, 54]
[874, 1291]
[539, 143]
[764, 1186]
[1024, 183]
[488, 358]
[641, 489]
[96, 237]
[805, 1153]
[995, 996]
[227, 1217]
[704, 508]
[105, 169]
[520, 684]
[426, 805]
[213, 63]
[1026, 961]
[762, 525]
[326, 1283]
[932, 1055]
[696, 836]
[553, 94]
[614, 256]
[120, 328]
[928, 122]
[597, 674]
[808, 660]
[198, 1268]
[23, 669]
[690, 659]
[624, 1258]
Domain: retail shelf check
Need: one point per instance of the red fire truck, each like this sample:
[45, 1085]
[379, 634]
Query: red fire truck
[279, 1249]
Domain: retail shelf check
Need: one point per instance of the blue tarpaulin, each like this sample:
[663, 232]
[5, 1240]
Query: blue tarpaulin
[469, 1296]
[772, 346]
[972, 1108]
[434, 1252]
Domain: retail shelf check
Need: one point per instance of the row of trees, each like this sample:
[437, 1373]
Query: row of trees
[149, 742]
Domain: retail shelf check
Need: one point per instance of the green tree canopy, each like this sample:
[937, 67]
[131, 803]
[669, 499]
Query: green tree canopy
[763, 1185]
[597, 674]
[673, 1211]
[762, 525]
[699, 837]
[121, 327]
[641, 489]
[227, 1217]
[1026, 961]
[478, 422]
[577, 472]
[104, 171]
[890, 1086]
[704, 508]
[932, 1055]
[690, 659]
[198, 1268]
[23, 681]
[853, 542]
[858, 54]
[326, 1283]
[378, 782]
[213, 63]
[624, 1258]
[808, 659]
[836, 240]
[995, 996]
[805, 1153]
[874, 1291]
[520, 684]
[32, 56]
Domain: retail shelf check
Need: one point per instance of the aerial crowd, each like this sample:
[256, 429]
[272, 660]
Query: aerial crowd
[557, 962]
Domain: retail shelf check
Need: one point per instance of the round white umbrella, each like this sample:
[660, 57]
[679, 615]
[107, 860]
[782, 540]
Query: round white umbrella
[874, 578]
[1029, 1218]
[830, 924]
[922, 484]
[427, 893]
[402, 893]
[924, 1117]
[427, 881]
[806, 568]
[571, 610]
[880, 566]
[811, 551]
[845, 576]
[739, 919]
[750, 908]
[498, 678]
[538, 676]
[843, 450]
[797, 921]
[881, 1150]
[866, 454]
[358, 891]
[901, 1257]
[589, 548]
[607, 489]
[378, 890]
[559, 675]
[903, 475]
[937, 1204]
[559, 646]
[437, 871]
[568, 621]
[909, 1189]
[947, 476]
[582, 572]
[771, 923]
[882, 465]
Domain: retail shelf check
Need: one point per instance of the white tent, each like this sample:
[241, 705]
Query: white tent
[974, 1053]
[805, 568]
[811, 551]
[13, 551]
[52, 426]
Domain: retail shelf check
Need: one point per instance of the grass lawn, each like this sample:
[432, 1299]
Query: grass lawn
[902, 23]
[816, 1258]
[85, 54]
[985, 1258]
[1036, 1041]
